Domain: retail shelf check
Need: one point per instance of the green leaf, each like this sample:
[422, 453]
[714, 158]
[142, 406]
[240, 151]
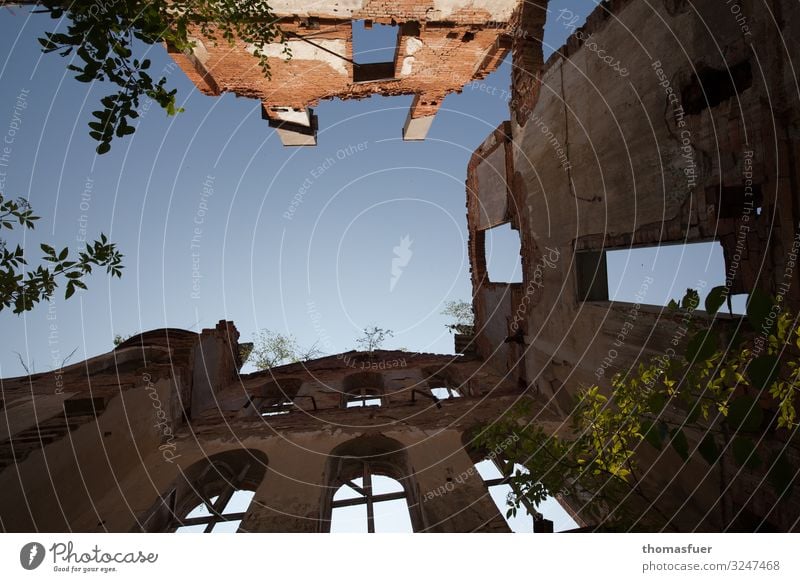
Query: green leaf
[744, 452]
[708, 449]
[680, 444]
[103, 148]
[759, 306]
[691, 299]
[763, 371]
[70, 290]
[745, 414]
[63, 254]
[702, 346]
[715, 299]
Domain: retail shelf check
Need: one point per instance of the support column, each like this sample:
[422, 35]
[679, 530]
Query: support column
[451, 493]
[295, 127]
[420, 117]
[289, 497]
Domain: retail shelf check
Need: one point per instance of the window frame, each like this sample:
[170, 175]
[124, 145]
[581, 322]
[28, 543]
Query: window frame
[367, 497]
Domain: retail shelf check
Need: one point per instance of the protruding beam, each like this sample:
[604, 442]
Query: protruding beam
[295, 127]
[420, 117]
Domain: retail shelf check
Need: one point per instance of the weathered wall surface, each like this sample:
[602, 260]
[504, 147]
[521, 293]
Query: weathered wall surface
[656, 123]
[149, 429]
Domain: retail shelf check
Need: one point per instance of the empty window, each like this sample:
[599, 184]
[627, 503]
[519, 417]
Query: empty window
[277, 409]
[220, 514]
[362, 389]
[503, 254]
[523, 521]
[653, 275]
[369, 504]
[445, 393]
[709, 87]
[374, 51]
[374, 43]
[363, 397]
[591, 272]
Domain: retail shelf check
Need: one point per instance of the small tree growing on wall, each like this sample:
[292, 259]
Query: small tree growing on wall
[372, 338]
[271, 348]
[462, 316]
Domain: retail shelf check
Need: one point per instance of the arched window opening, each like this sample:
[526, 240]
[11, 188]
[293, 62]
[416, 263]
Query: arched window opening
[284, 407]
[364, 397]
[523, 521]
[220, 514]
[362, 389]
[370, 488]
[276, 398]
[369, 504]
[210, 495]
[445, 392]
[442, 384]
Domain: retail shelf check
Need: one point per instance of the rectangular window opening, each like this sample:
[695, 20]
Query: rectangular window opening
[653, 275]
[374, 51]
[503, 252]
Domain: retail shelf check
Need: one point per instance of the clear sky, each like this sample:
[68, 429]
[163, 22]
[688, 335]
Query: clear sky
[323, 273]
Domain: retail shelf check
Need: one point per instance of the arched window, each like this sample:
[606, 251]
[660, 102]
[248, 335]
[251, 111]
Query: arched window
[223, 513]
[362, 389]
[369, 504]
[441, 383]
[211, 495]
[277, 397]
[445, 392]
[370, 488]
[523, 521]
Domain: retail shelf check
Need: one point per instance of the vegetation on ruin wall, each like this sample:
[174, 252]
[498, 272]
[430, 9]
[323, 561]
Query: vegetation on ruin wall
[22, 289]
[729, 399]
[462, 316]
[105, 34]
[271, 348]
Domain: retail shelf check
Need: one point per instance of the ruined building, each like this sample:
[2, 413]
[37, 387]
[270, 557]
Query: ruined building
[656, 123]
[440, 47]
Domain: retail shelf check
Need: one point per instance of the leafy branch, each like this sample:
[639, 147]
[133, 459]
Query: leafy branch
[731, 394]
[22, 290]
[103, 38]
